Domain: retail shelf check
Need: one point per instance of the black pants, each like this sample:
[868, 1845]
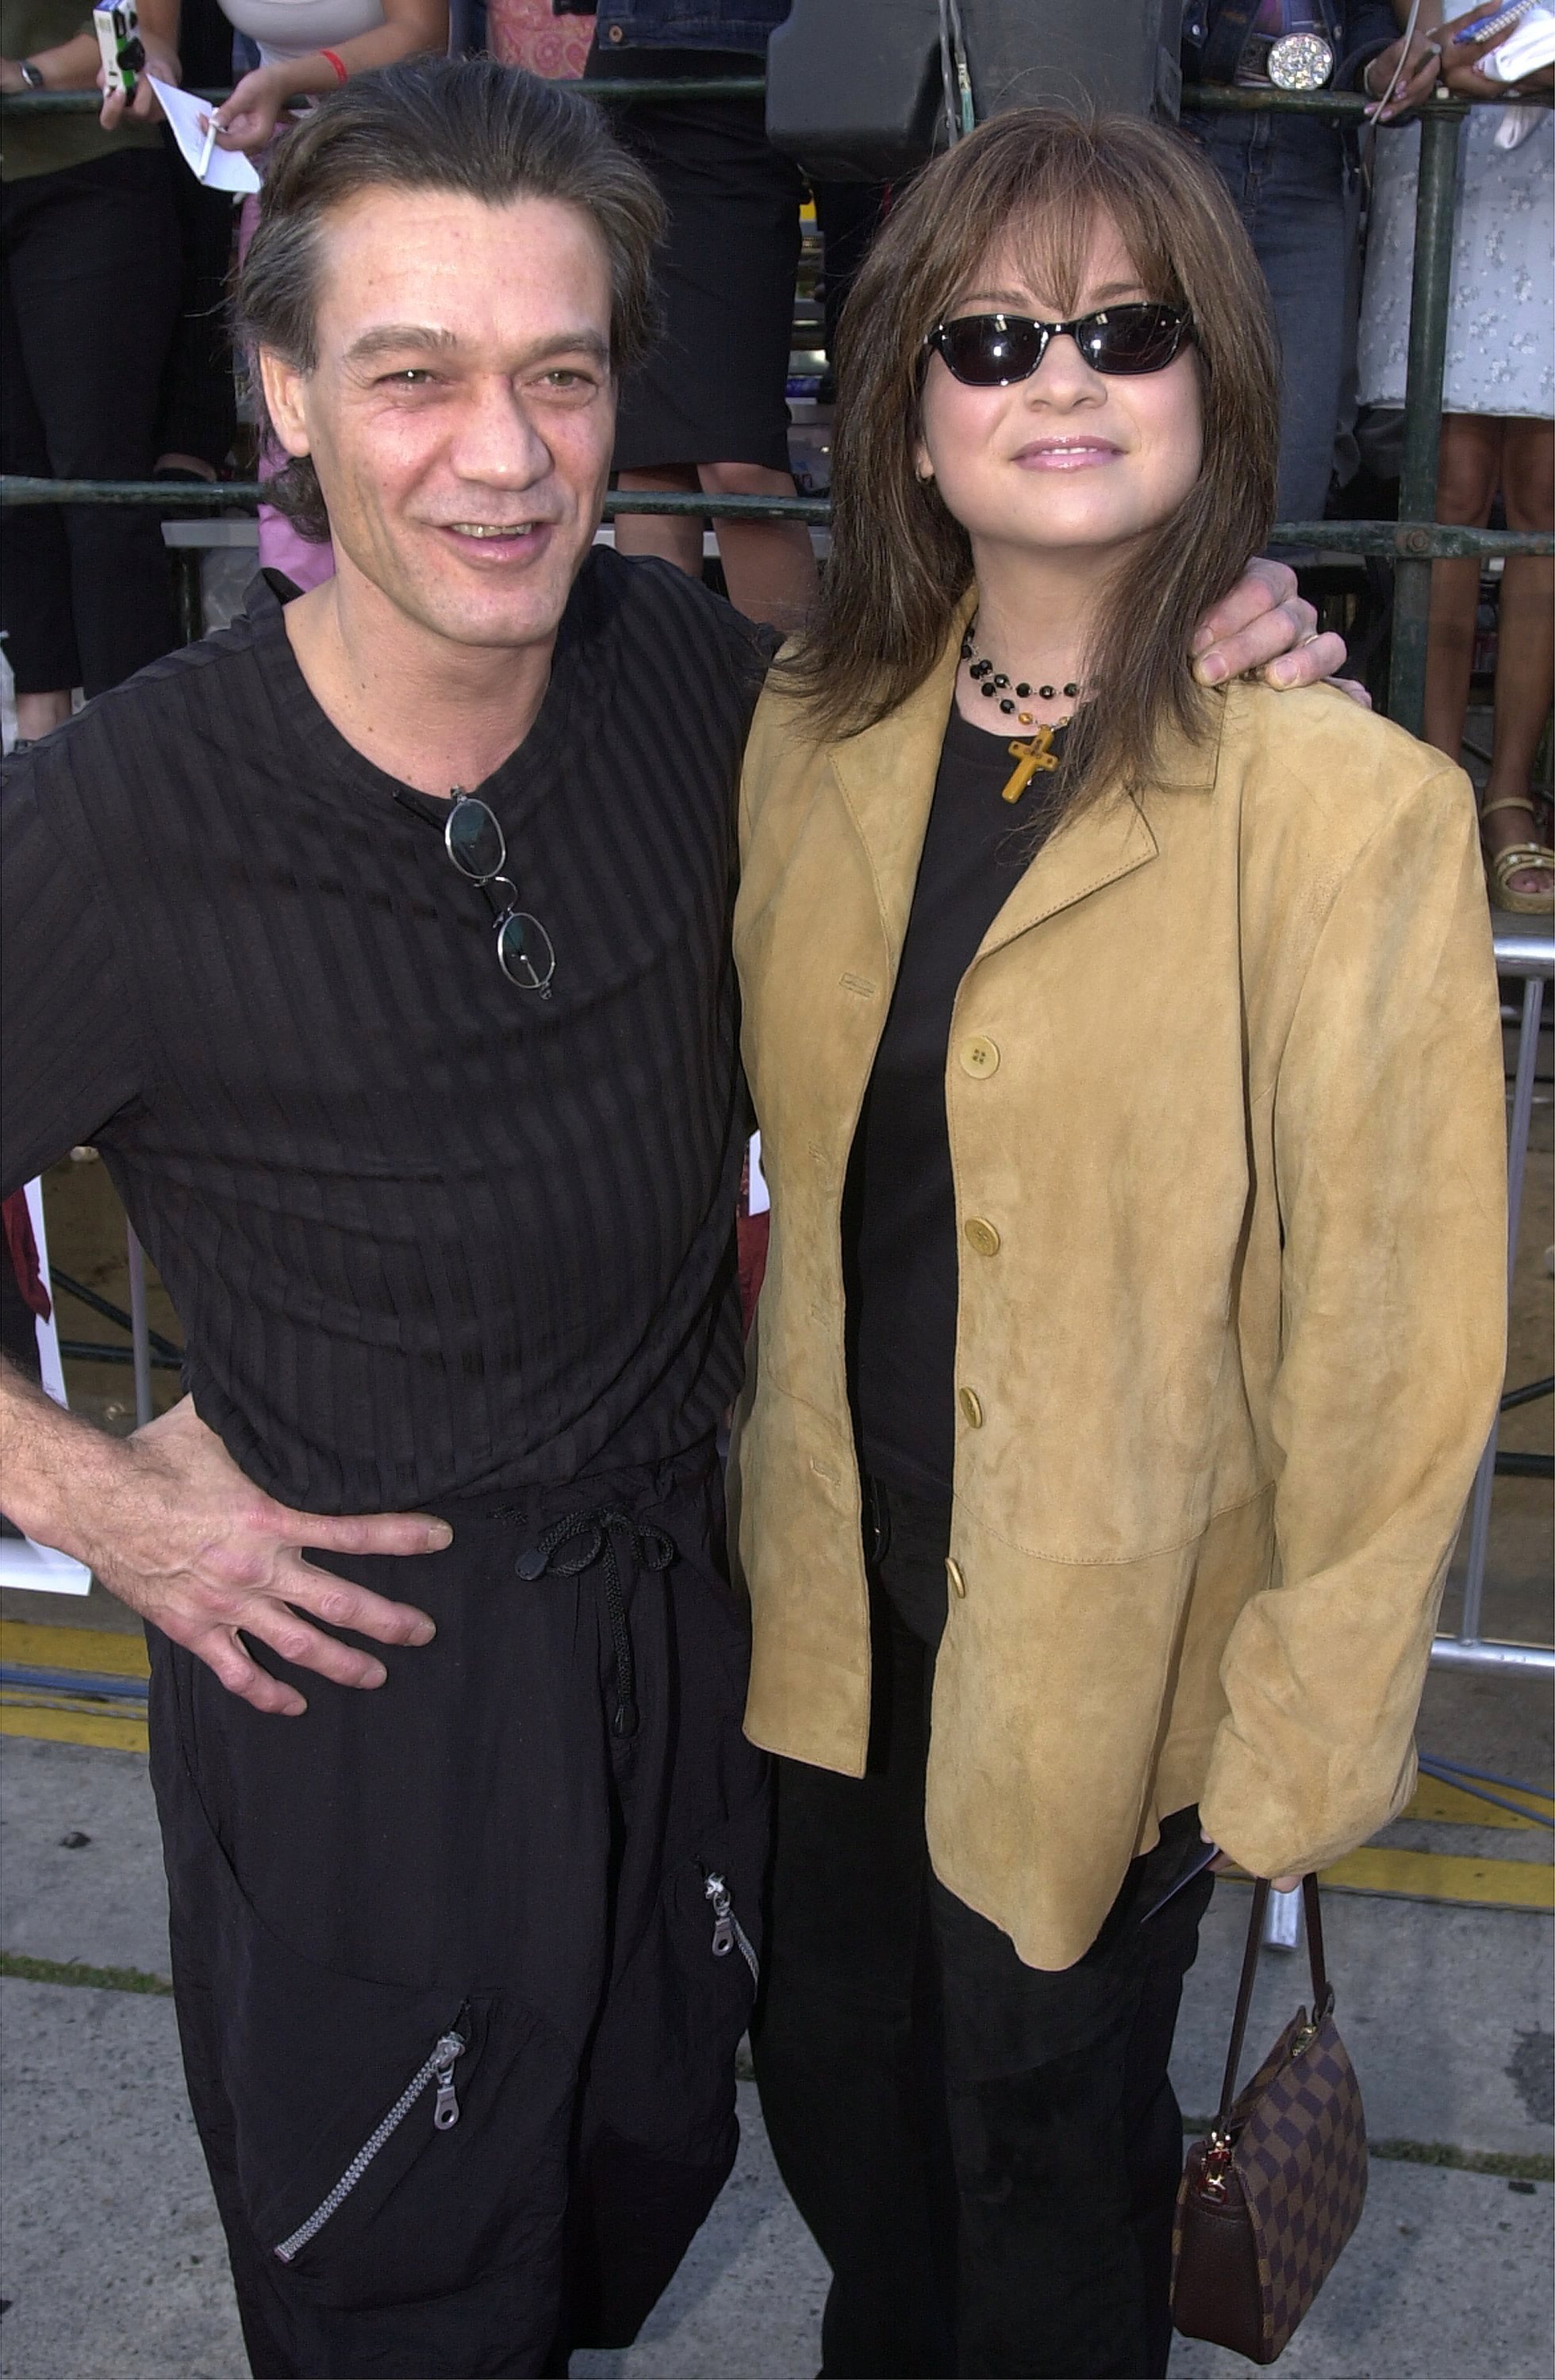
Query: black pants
[987, 2154]
[91, 275]
[473, 1855]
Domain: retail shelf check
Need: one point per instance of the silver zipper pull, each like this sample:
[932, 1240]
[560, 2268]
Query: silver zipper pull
[446, 2108]
[723, 1916]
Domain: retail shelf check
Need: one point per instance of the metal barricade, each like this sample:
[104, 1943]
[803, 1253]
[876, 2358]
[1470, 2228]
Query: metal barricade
[1411, 544]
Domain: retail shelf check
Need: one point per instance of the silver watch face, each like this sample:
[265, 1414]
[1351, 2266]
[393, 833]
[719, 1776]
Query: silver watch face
[1300, 62]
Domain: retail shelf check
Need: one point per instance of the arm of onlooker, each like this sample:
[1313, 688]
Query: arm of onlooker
[159, 38]
[1461, 66]
[165, 1518]
[1390, 1159]
[1368, 37]
[169, 1524]
[247, 119]
[77, 65]
[69, 66]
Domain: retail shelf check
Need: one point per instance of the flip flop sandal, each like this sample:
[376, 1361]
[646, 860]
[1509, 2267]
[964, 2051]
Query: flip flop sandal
[1517, 859]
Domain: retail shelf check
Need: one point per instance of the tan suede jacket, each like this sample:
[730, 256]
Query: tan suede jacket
[1225, 1098]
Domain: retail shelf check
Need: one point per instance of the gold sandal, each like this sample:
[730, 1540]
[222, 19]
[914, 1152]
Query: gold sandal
[1517, 859]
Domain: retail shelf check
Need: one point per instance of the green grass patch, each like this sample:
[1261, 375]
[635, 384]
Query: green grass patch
[1507, 2167]
[73, 1971]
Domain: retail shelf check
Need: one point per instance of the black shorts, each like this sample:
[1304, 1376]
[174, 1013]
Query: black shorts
[457, 1992]
[714, 390]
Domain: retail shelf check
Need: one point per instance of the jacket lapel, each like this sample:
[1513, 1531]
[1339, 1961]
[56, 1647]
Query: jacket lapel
[886, 777]
[1108, 838]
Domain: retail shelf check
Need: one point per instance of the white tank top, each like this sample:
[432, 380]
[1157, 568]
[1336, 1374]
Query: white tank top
[295, 29]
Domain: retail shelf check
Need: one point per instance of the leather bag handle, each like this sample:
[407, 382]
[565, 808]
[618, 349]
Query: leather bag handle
[1323, 1997]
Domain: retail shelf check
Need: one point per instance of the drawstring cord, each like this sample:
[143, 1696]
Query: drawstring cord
[590, 1538]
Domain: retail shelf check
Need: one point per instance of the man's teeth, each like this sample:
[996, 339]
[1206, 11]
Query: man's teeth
[485, 528]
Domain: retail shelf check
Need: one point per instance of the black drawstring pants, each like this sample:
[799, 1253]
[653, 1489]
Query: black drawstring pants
[458, 2014]
[987, 2154]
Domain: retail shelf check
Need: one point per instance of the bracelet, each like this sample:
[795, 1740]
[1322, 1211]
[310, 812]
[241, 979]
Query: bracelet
[342, 72]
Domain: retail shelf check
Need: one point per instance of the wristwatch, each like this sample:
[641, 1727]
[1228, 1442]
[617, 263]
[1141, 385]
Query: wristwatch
[33, 76]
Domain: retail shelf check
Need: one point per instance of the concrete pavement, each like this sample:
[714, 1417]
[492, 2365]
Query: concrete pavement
[112, 2254]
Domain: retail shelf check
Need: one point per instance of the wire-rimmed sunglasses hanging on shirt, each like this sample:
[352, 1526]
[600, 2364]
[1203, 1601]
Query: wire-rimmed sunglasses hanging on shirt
[993, 350]
[475, 842]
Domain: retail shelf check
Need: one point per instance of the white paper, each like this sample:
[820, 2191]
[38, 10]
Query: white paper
[760, 1196]
[228, 168]
[22, 1563]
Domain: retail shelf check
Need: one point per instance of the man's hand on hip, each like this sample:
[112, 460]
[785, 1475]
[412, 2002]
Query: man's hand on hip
[170, 1525]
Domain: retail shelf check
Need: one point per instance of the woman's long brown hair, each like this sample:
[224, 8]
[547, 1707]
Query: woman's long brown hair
[900, 565]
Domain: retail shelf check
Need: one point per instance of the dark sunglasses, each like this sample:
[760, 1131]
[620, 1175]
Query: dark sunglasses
[992, 350]
[475, 842]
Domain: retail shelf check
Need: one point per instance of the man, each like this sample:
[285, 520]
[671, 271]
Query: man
[427, 1107]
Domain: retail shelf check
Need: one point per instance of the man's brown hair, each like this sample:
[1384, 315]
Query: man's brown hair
[900, 563]
[486, 131]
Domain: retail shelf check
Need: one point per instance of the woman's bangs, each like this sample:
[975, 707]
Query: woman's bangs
[1052, 235]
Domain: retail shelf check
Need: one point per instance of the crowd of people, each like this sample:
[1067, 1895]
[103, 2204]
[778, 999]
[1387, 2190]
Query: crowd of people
[419, 952]
[99, 389]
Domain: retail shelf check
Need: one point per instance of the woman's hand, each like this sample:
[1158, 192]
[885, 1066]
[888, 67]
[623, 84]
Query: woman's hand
[1418, 63]
[1460, 63]
[145, 108]
[247, 120]
[1264, 625]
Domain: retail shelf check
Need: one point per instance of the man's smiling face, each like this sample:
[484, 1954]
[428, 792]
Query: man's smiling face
[461, 412]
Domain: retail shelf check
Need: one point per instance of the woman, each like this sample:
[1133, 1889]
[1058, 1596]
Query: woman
[1498, 435]
[86, 217]
[1134, 1315]
[708, 409]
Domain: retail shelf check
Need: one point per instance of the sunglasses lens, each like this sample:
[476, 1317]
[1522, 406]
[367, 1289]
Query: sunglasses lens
[474, 840]
[989, 350]
[524, 950]
[1134, 339]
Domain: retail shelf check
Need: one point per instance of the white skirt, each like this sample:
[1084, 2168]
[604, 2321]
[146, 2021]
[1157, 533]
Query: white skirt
[1501, 335]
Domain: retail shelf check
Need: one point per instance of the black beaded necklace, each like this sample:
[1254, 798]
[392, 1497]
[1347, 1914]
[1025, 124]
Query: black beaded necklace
[1036, 756]
[996, 686]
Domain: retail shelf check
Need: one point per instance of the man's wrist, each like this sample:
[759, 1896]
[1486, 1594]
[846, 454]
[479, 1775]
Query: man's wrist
[55, 1464]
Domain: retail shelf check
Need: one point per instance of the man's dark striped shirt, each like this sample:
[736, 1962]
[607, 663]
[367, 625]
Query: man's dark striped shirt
[427, 1233]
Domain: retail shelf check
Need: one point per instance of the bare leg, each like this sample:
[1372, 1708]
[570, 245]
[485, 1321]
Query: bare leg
[1467, 477]
[769, 566]
[1526, 655]
[40, 714]
[673, 539]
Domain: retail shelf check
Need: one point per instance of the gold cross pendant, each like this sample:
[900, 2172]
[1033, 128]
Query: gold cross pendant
[1028, 759]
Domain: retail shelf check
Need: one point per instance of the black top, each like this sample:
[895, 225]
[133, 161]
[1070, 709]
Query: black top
[427, 1233]
[899, 1232]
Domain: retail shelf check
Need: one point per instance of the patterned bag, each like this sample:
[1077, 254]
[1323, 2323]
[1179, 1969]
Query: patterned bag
[1269, 2199]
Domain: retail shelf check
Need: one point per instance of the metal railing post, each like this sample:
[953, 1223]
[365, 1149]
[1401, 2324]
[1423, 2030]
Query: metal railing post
[1435, 205]
[1538, 957]
[139, 1331]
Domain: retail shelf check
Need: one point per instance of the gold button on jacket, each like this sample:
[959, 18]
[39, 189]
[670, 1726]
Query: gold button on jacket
[982, 1235]
[979, 1056]
[1247, 1157]
[971, 1408]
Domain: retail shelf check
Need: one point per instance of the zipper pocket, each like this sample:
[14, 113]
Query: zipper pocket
[728, 1934]
[439, 2068]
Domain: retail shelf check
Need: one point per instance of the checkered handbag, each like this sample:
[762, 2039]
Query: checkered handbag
[1268, 2201]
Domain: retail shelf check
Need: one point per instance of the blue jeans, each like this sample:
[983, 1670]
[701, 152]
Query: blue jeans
[1298, 195]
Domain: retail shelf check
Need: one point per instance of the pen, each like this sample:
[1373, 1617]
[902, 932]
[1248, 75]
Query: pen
[205, 153]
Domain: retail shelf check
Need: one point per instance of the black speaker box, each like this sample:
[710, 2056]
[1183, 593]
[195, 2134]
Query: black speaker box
[855, 91]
